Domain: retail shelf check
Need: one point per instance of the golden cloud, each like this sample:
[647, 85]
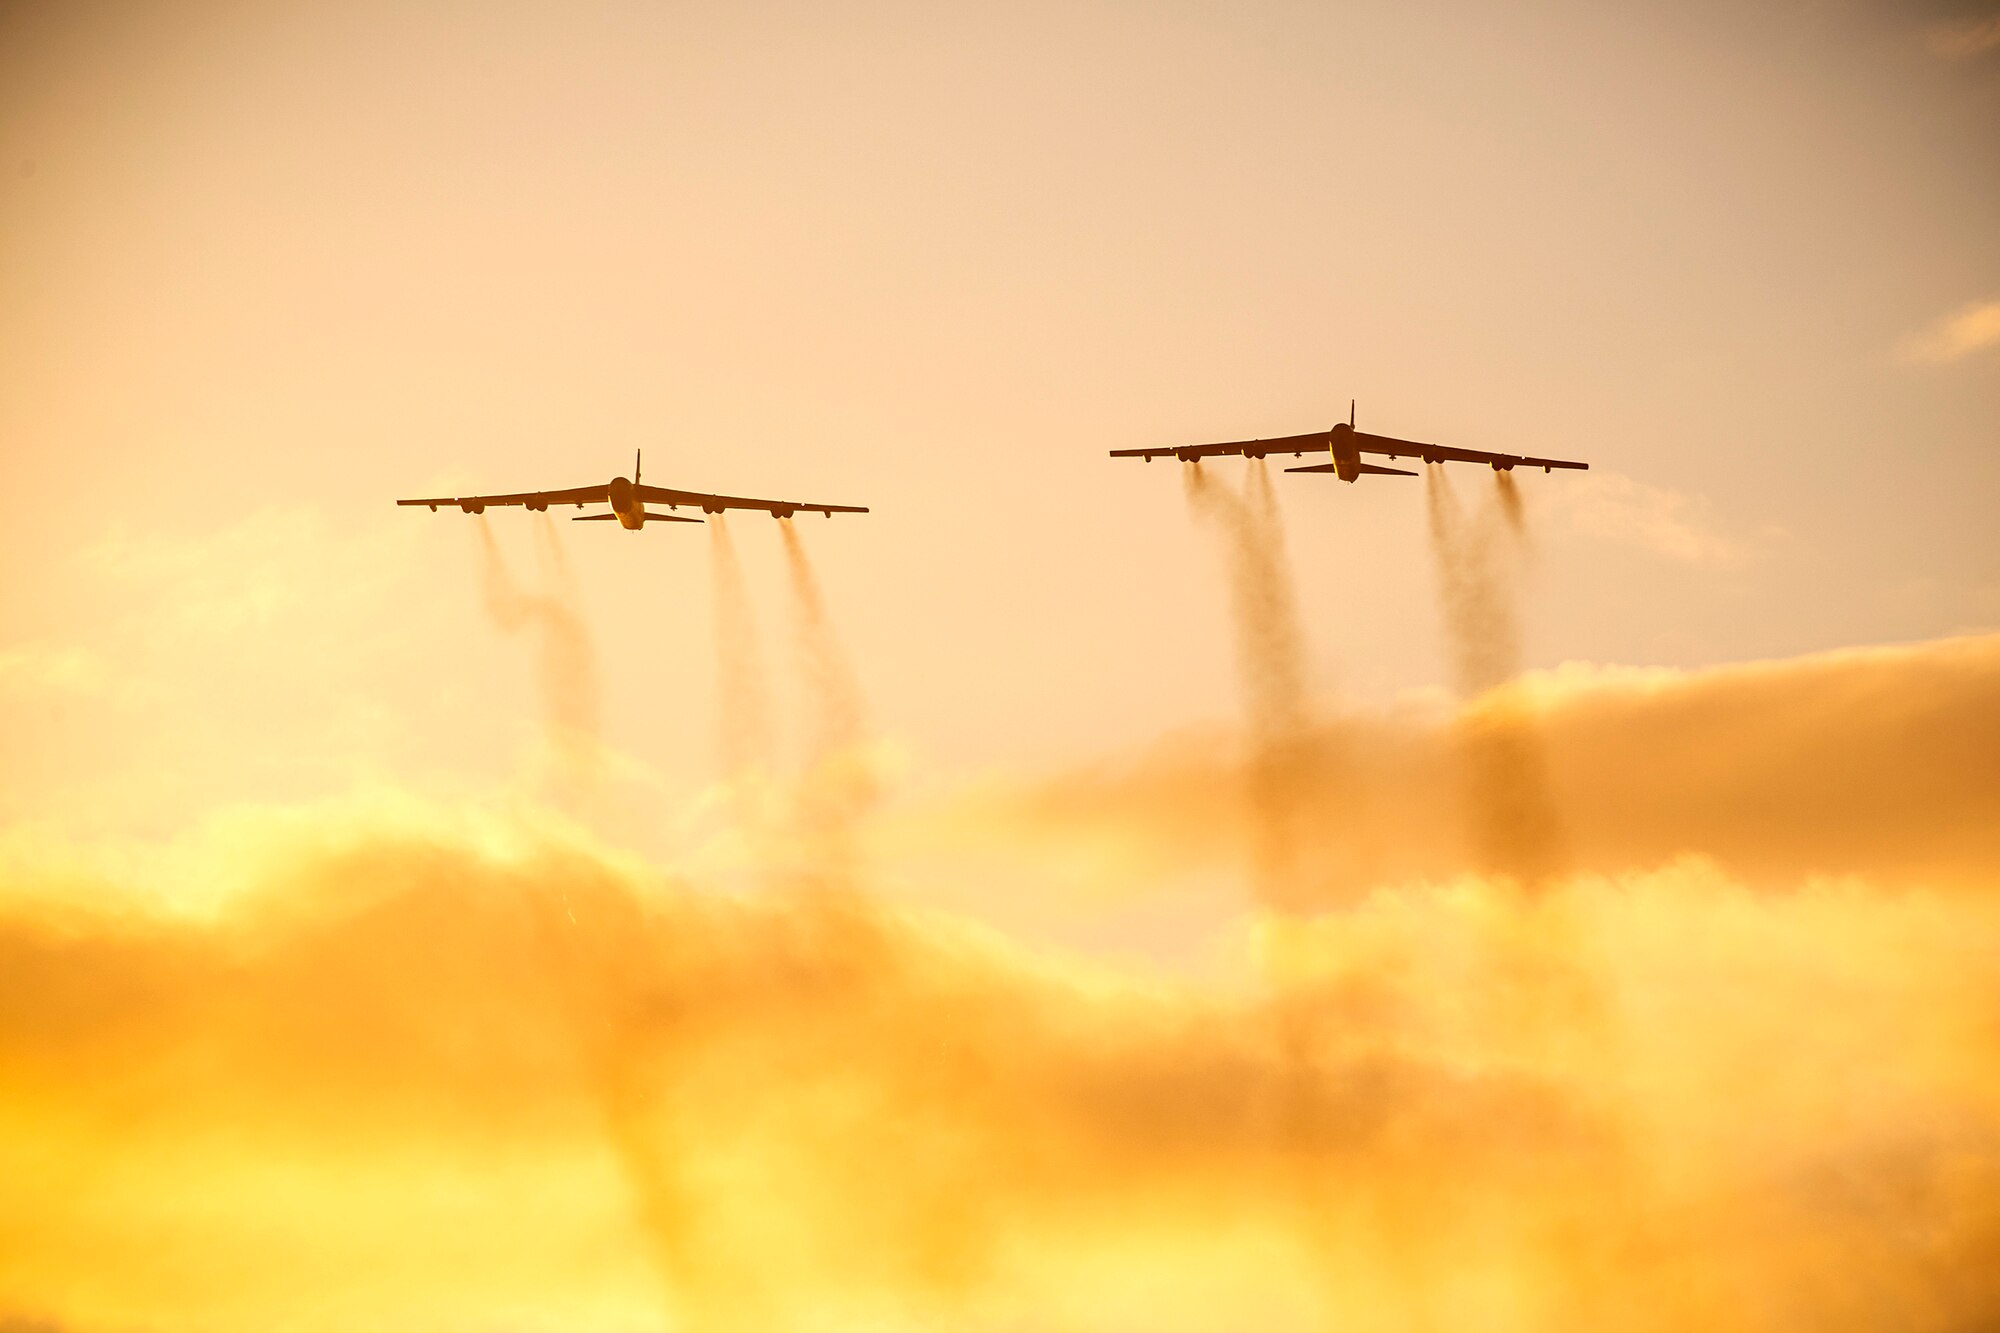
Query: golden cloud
[1871, 762]
[407, 1066]
[413, 1073]
[1973, 329]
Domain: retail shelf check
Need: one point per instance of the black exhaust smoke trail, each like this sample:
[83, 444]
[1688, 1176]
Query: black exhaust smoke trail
[743, 690]
[566, 663]
[1548, 994]
[1270, 658]
[1509, 495]
[614, 1015]
[1515, 826]
[602, 1005]
[1287, 763]
[838, 785]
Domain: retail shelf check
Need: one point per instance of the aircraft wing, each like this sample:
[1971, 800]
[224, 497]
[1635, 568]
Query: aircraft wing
[1284, 444]
[715, 504]
[580, 495]
[1444, 453]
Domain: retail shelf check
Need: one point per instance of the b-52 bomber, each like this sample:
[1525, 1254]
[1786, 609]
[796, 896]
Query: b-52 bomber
[1345, 445]
[628, 497]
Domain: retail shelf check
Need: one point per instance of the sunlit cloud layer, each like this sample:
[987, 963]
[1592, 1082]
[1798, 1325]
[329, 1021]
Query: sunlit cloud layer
[1966, 39]
[1973, 329]
[1869, 761]
[416, 1066]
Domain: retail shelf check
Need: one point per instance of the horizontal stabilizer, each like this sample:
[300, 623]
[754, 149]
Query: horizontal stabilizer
[1364, 467]
[650, 518]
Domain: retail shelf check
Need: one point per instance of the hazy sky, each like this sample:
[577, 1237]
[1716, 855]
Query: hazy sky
[345, 982]
[265, 268]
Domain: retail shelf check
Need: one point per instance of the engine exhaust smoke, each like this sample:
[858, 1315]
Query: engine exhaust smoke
[566, 662]
[742, 684]
[1270, 658]
[1508, 493]
[598, 1004]
[838, 785]
[613, 1014]
[1515, 827]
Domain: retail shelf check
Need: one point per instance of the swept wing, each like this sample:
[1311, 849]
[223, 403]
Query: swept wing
[1284, 444]
[1444, 453]
[715, 504]
[578, 495]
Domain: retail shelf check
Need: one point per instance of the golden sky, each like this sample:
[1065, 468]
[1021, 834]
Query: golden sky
[1077, 894]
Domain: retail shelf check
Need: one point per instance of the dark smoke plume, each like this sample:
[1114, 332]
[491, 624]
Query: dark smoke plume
[1270, 659]
[1514, 822]
[1508, 493]
[566, 664]
[839, 783]
[742, 685]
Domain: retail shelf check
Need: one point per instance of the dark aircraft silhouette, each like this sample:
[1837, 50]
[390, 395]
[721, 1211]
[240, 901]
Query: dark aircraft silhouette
[1346, 445]
[627, 498]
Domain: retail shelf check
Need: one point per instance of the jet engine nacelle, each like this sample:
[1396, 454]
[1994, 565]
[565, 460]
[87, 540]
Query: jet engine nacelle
[472, 506]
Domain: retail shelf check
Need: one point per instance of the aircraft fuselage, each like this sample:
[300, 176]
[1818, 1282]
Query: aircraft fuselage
[626, 504]
[1346, 457]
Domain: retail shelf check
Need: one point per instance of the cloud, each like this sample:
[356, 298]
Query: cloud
[36, 670]
[1871, 762]
[1966, 39]
[276, 565]
[1973, 329]
[1668, 523]
[402, 1064]
[415, 1075]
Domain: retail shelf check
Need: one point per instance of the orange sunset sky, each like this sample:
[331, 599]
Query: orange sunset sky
[1077, 894]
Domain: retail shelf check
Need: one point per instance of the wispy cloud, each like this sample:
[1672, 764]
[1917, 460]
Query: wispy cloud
[271, 565]
[1972, 329]
[1672, 524]
[39, 670]
[1964, 40]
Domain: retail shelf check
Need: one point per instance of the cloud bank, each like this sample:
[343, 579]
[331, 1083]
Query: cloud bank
[1873, 762]
[408, 1066]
